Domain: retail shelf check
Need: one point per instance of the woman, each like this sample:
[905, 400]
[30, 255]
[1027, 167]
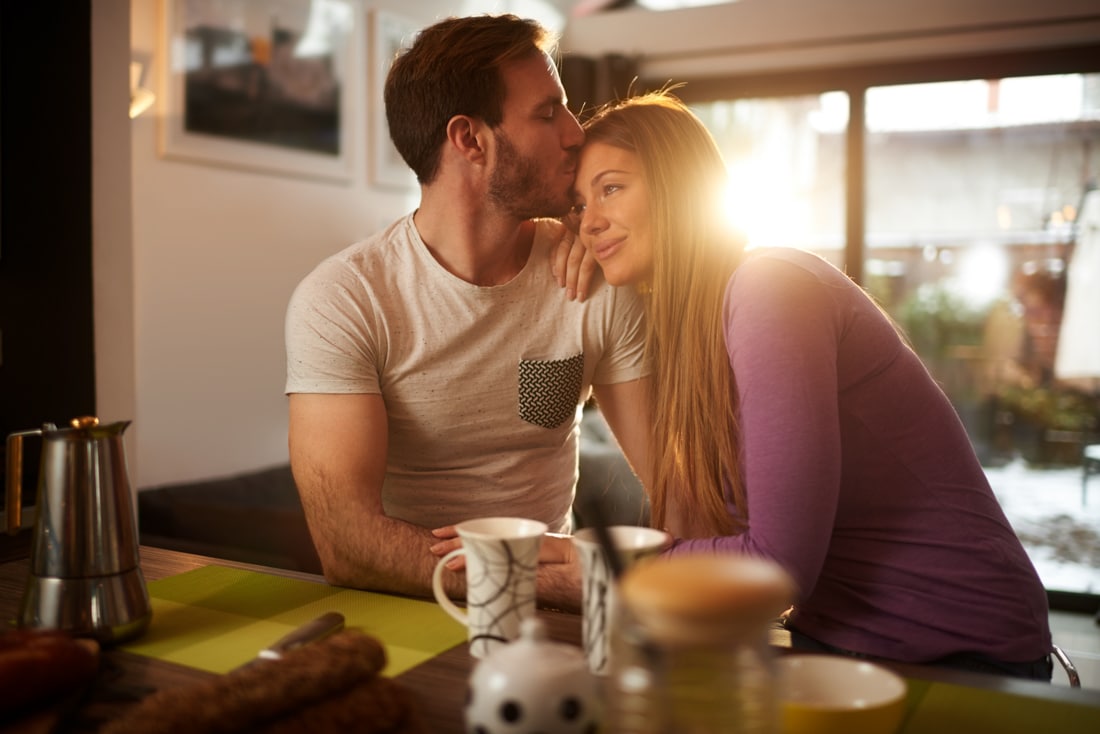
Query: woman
[793, 422]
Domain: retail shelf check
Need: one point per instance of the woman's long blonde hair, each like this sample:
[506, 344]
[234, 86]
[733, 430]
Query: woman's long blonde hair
[695, 438]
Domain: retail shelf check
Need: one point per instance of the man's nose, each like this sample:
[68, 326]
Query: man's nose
[573, 135]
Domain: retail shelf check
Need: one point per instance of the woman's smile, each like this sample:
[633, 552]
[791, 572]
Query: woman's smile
[606, 248]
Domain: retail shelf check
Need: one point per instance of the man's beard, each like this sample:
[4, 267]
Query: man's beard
[516, 185]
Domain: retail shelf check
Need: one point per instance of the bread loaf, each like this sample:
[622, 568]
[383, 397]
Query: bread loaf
[316, 685]
[37, 666]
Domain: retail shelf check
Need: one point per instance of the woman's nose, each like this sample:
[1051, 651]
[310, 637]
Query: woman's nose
[592, 221]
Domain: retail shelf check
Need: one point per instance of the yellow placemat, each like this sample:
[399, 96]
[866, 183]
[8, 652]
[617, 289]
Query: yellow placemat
[943, 708]
[216, 618]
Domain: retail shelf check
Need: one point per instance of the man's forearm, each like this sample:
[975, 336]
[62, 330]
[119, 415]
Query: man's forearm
[384, 554]
[380, 553]
[559, 586]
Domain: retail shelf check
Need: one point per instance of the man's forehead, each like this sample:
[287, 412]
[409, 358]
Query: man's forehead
[532, 80]
[548, 61]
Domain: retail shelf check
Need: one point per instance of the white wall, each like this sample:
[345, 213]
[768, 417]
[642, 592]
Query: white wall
[112, 241]
[216, 254]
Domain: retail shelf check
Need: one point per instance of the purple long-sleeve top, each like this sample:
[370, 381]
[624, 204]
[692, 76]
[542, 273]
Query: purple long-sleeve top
[860, 478]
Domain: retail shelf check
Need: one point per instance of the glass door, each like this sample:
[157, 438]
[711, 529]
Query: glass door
[983, 240]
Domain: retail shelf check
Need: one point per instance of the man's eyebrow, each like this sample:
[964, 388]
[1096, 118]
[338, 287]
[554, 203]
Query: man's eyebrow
[551, 100]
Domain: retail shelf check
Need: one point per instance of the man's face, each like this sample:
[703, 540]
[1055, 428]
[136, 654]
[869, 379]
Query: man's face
[537, 143]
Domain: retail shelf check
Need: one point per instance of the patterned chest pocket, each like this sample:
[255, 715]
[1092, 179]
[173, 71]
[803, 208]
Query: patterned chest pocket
[549, 389]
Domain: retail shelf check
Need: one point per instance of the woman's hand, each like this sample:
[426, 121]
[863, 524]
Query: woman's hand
[573, 265]
[448, 541]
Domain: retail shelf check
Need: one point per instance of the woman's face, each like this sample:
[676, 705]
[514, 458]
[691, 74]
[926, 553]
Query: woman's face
[612, 204]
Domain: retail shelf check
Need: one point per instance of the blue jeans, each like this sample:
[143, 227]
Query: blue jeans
[1040, 669]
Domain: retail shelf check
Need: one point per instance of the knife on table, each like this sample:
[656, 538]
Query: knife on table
[317, 629]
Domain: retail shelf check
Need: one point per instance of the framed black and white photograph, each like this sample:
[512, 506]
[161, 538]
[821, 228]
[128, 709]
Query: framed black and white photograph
[389, 34]
[264, 86]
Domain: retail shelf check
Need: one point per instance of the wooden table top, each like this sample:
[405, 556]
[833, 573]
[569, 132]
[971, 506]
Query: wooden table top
[439, 685]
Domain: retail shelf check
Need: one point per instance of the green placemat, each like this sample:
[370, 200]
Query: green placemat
[943, 708]
[216, 618]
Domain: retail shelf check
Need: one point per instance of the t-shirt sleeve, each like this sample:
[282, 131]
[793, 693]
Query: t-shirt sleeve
[623, 324]
[332, 339]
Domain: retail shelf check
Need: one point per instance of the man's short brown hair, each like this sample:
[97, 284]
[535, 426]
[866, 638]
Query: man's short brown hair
[454, 68]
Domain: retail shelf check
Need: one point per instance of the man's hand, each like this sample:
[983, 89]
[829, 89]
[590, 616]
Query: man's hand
[559, 585]
[557, 548]
[559, 574]
[573, 266]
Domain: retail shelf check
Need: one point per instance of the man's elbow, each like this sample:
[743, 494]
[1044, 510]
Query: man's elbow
[337, 577]
[335, 567]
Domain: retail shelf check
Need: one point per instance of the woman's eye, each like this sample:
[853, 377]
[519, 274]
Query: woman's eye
[609, 189]
[578, 209]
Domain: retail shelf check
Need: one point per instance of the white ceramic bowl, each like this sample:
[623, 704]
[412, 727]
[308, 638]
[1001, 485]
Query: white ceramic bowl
[832, 694]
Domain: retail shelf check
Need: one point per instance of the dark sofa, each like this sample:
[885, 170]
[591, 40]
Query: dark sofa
[256, 517]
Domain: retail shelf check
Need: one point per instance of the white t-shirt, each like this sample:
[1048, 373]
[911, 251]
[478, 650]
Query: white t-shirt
[483, 386]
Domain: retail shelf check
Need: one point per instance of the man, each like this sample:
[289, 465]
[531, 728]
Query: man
[435, 370]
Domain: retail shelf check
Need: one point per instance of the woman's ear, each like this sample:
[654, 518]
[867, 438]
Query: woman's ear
[465, 135]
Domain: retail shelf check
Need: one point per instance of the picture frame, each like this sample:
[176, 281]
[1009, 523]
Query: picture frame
[265, 87]
[389, 34]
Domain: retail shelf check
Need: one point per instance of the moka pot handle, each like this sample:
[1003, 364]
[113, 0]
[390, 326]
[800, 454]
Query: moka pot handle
[14, 493]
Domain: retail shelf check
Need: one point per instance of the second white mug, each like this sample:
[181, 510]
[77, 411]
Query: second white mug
[632, 543]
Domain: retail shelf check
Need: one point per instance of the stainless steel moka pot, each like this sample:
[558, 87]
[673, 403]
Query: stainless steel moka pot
[85, 577]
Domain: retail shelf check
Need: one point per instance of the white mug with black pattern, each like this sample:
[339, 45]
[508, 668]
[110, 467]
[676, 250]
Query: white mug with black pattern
[502, 557]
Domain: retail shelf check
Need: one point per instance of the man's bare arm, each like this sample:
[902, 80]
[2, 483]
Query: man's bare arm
[559, 585]
[625, 407]
[338, 447]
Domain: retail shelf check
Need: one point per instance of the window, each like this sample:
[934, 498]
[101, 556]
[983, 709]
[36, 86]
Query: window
[975, 195]
[786, 161]
[963, 195]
